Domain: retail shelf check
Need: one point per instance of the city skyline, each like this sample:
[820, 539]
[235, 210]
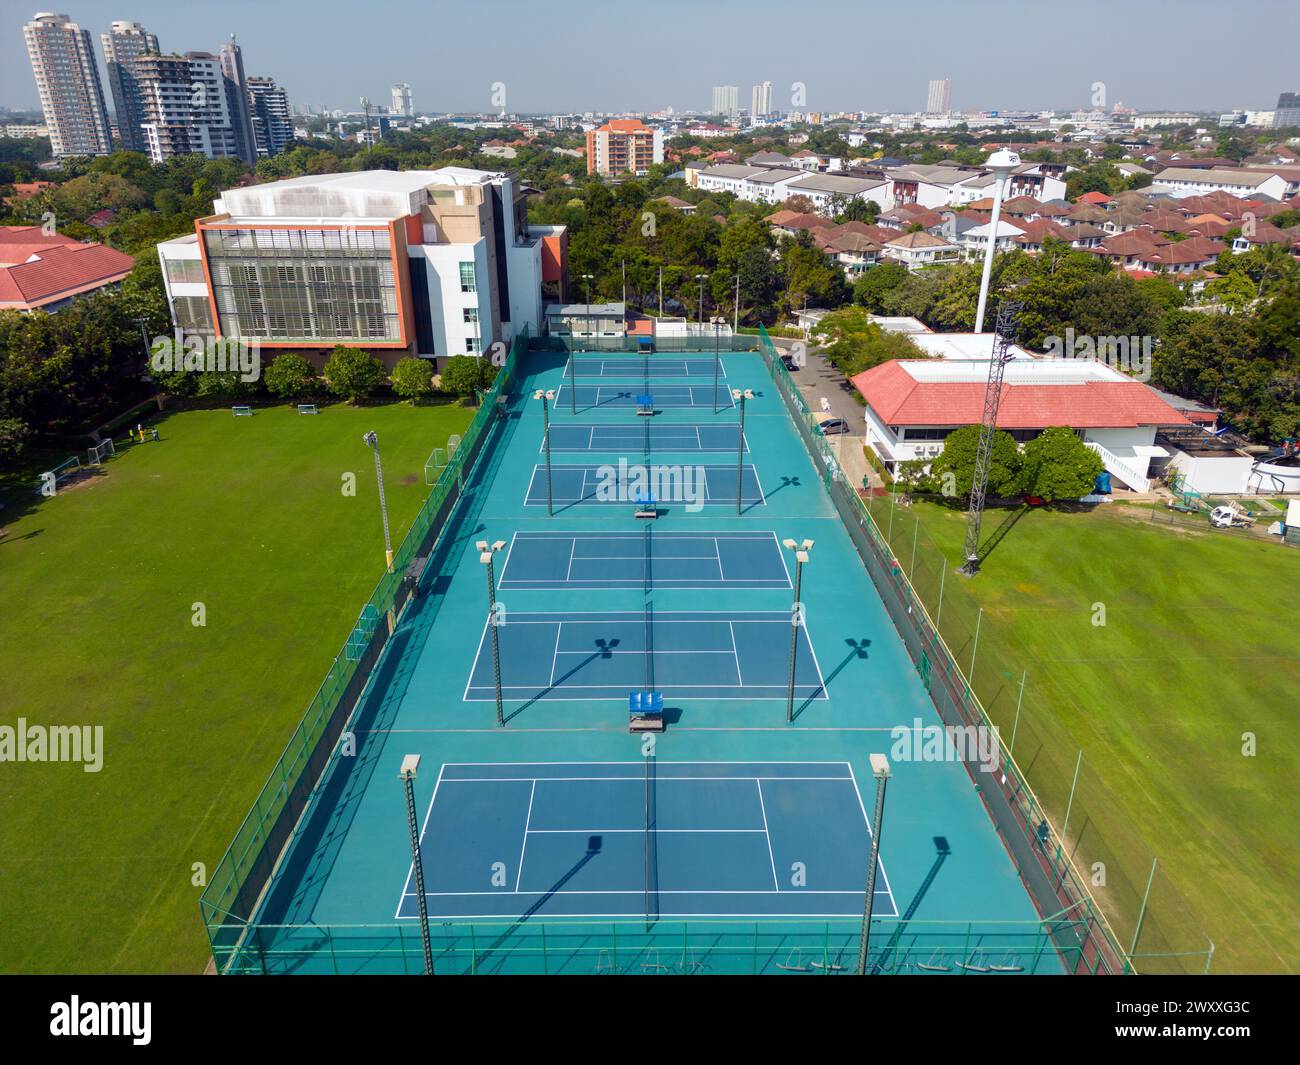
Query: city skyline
[370, 59]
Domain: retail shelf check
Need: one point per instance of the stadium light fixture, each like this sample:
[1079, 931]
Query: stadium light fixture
[1002, 162]
[407, 774]
[879, 770]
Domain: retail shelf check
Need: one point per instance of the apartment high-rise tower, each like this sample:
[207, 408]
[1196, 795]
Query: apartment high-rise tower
[236, 86]
[939, 99]
[726, 100]
[624, 146]
[760, 100]
[186, 106]
[1288, 110]
[402, 104]
[67, 79]
[123, 44]
[272, 118]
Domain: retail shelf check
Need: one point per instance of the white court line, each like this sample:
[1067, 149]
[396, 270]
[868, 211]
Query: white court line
[879, 858]
[770, 856]
[641, 831]
[663, 891]
[735, 653]
[555, 653]
[573, 547]
[519, 873]
[633, 780]
[410, 866]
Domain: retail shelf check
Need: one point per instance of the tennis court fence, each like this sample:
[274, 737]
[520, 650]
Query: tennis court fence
[613, 345]
[239, 879]
[669, 947]
[1047, 861]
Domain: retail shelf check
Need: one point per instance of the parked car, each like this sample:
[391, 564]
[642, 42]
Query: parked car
[834, 426]
[788, 362]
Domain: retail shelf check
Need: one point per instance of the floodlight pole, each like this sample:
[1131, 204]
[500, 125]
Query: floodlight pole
[699, 314]
[372, 439]
[740, 397]
[1005, 328]
[715, 365]
[880, 770]
[546, 437]
[1002, 163]
[795, 611]
[410, 765]
[735, 314]
[486, 552]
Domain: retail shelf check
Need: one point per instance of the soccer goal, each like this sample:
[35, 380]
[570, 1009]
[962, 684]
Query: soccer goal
[307, 408]
[436, 464]
[242, 412]
[52, 480]
[97, 455]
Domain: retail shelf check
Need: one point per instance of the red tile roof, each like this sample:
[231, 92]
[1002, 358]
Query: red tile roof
[900, 399]
[1093, 197]
[37, 269]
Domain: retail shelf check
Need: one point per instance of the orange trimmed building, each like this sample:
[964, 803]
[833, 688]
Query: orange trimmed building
[623, 146]
[425, 263]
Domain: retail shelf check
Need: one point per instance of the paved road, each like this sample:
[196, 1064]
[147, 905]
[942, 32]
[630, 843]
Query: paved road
[818, 379]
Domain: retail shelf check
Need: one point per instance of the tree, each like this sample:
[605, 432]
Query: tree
[411, 378]
[291, 376]
[870, 289]
[855, 209]
[800, 204]
[1057, 465]
[958, 460]
[352, 373]
[854, 343]
[14, 434]
[462, 375]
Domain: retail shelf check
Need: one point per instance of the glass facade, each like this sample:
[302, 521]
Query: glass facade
[192, 314]
[184, 270]
[468, 278]
[324, 285]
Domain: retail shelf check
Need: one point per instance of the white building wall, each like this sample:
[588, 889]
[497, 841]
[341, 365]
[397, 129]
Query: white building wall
[446, 301]
[1229, 474]
[524, 267]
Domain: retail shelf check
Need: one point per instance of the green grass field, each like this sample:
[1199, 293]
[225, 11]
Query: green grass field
[1199, 647]
[246, 516]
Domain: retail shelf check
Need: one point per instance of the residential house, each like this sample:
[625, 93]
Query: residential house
[919, 250]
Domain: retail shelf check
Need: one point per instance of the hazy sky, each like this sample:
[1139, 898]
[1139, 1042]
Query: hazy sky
[613, 55]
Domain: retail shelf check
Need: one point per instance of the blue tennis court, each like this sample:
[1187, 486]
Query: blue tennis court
[666, 397]
[661, 839]
[689, 485]
[660, 367]
[550, 561]
[646, 432]
[683, 654]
